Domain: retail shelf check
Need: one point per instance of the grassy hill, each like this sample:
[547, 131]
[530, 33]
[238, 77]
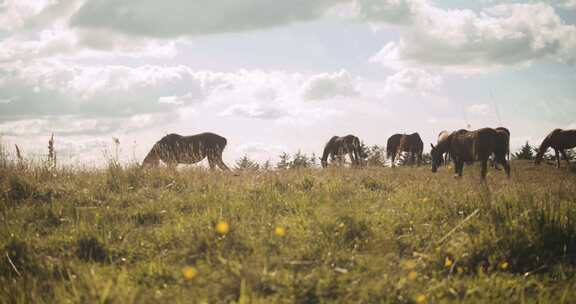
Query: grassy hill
[403, 235]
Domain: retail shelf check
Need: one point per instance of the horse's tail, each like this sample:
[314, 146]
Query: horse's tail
[357, 148]
[503, 143]
[390, 148]
[356, 143]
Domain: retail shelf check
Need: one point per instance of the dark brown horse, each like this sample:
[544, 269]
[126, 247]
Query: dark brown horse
[175, 149]
[559, 140]
[411, 143]
[468, 146]
[340, 146]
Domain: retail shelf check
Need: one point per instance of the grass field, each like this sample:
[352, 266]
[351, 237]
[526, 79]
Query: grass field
[375, 235]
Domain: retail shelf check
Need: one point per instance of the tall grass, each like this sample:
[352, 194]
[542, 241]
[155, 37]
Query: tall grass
[125, 234]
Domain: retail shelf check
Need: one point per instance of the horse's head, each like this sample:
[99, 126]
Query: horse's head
[437, 158]
[363, 154]
[538, 160]
[324, 162]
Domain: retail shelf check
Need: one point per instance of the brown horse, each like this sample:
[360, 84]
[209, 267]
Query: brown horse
[176, 149]
[340, 146]
[468, 146]
[559, 140]
[399, 143]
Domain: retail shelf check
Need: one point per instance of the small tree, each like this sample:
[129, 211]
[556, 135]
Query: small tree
[267, 165]
[526, 152]
[375, 156]
[312, 161]
[299, 161]
[51, 162]
[284, 162]
[246, 163]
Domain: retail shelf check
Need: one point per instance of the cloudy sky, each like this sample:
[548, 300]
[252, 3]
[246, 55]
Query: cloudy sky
[275, 76]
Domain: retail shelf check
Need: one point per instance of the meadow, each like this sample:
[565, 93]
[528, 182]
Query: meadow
[124, 234]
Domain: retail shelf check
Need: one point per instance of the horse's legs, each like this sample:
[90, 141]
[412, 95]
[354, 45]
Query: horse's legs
[221, 163]
[502, 160]
[419, 162]
[356, 156]
[172, 164]
[211, 159]
[557, 158]
[483, 168]
[215, 159]
[495, 161]
[352, 158]
[392, 163]
[458, 167]
[565, 157]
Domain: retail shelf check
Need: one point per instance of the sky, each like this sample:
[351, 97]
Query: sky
[279, 76]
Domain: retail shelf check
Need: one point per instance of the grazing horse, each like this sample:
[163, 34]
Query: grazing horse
[468, 146]
[340, 146]
[175, 149]
[559, 140]
[441, 137]
[411, 143]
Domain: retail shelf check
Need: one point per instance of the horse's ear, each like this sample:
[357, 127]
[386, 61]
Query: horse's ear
[432, 145]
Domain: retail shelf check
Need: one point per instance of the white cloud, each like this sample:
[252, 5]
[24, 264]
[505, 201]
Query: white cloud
[258, 111]
[567, 4]
[59, 41]
[326, 86]
[464, 41]
[65, 125]
[14, 13]
[183, 17]
[259, 151]
[415, 81]
[479, 109]
[108, 90]
[398, 12]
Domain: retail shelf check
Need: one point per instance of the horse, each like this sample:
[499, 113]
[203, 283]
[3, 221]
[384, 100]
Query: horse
[442, 136]
[340, 146]
[506, 132]
[174, 149]
[399, 143]
[559, 140]
[468, 146]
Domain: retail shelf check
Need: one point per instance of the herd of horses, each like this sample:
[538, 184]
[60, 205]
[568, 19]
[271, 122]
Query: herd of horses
[461, 147]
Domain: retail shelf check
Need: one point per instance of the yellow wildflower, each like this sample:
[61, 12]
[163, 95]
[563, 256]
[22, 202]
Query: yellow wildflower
[420, 299]
[448, 262]
[189, 273]
[222, 228]
[409, 264]
[504, 265]
[280, 231]
[412, 275]
[425, 200]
